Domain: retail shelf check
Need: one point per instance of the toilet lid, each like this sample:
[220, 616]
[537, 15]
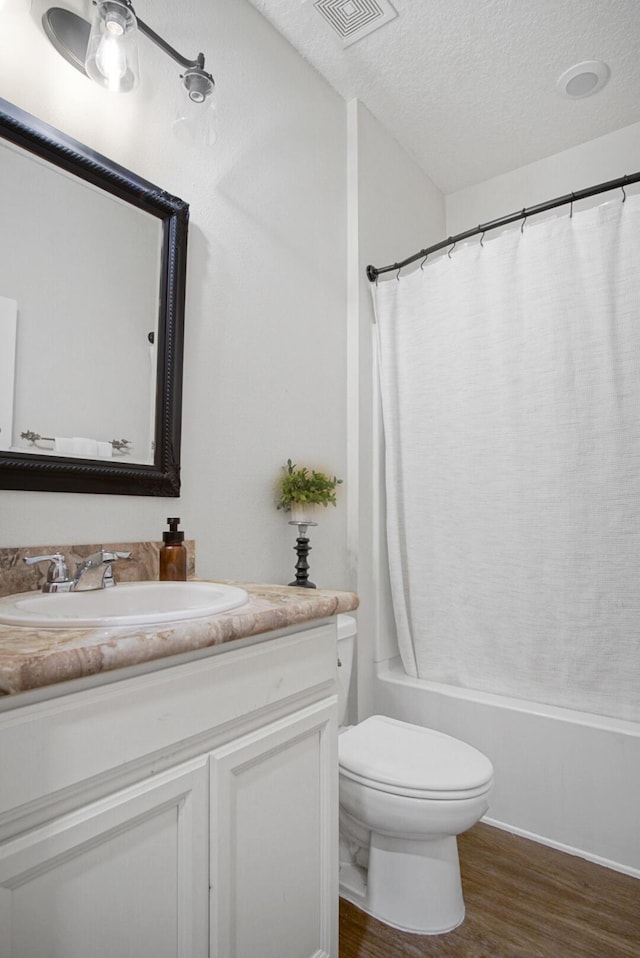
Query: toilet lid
[402, 756]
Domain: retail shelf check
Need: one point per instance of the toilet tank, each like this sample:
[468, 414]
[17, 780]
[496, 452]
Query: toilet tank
[346, 643]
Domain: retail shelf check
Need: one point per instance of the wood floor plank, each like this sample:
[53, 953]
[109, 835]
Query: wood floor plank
[523, 900]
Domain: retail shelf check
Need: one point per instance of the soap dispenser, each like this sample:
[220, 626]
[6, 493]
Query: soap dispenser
[173, 554]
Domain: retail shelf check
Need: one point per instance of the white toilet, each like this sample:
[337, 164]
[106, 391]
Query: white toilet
[405, 793]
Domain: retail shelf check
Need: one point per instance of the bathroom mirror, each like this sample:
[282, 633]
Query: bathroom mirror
[92, 287]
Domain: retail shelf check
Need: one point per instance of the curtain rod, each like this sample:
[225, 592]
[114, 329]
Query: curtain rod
[373, 272]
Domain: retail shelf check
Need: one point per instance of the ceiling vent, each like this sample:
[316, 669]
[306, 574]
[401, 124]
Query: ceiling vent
[354, 19]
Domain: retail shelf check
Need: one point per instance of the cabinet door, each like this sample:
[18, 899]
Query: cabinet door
[274, 871]
[124, 876]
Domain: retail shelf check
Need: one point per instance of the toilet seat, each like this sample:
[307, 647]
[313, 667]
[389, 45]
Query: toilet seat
[402, 759]
[406, 792]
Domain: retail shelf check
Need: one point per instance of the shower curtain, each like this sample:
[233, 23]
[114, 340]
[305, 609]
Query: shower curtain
[510, 384]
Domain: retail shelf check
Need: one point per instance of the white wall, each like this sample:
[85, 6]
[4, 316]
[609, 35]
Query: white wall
[265, 362]
[394, 210]
[598, 161]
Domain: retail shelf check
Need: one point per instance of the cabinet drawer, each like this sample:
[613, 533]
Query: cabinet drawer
[50, 746]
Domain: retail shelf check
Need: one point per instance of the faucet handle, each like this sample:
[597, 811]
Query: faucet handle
[57, 573]
[103, 557]
[108, 558]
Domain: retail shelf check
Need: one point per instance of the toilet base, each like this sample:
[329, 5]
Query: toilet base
[411, 885]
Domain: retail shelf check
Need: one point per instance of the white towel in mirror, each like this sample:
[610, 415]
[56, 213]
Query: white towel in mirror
[84, 448]
[105, 450]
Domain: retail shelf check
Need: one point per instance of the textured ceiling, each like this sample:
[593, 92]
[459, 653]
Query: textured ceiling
[468, 87]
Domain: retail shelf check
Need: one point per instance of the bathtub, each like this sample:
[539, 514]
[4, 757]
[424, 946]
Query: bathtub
[564, 778]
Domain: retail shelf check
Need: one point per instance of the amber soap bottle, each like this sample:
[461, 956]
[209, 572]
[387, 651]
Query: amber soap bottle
[173, 554]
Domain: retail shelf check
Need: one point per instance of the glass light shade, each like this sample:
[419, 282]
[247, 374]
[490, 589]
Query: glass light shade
[112, 51]
[195, 120]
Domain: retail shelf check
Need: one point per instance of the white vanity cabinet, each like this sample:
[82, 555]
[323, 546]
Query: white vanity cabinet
[125, 875]
[183, 813]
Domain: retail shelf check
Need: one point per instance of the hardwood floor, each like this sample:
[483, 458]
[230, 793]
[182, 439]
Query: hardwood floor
[523, 900]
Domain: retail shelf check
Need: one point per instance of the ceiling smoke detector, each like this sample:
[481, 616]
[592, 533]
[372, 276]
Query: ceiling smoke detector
[354, 19]
[583, 79]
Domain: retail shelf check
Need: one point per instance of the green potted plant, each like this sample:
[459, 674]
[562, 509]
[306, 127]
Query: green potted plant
[302, 489]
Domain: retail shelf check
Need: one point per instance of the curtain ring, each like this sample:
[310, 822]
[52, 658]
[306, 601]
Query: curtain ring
[524, 220]
[398, 274]
[424, 261]
[449, 252]
[571, 209]
[624, 195]
[482, 238]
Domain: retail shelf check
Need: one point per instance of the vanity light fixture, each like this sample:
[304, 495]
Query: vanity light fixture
[106, 50]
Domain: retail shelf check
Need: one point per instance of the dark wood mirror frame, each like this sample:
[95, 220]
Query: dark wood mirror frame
[52, 473]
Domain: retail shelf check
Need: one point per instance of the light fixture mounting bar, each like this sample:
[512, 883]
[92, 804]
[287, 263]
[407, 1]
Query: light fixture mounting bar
[168, 49]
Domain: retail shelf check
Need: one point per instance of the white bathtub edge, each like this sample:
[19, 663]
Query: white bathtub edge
[391, 670]
[565, 779]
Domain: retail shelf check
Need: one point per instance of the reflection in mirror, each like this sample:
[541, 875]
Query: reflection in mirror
[92, 265]
[84, 363]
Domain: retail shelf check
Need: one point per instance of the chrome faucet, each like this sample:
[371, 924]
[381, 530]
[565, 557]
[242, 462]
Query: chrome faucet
[94, 572]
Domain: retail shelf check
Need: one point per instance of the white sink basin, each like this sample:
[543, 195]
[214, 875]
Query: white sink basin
[130, 603]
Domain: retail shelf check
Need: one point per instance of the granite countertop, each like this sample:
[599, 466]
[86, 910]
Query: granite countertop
[36, 658]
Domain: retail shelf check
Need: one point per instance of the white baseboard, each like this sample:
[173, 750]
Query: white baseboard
[567, 849]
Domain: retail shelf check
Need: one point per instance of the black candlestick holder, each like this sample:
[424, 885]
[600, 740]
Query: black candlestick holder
[302, 550]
